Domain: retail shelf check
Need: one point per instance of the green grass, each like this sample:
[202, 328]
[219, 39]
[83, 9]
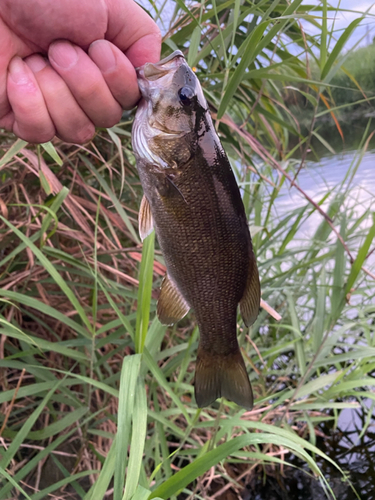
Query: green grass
[96, 395]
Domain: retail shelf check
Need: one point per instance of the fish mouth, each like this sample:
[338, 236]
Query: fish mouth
[154, 71]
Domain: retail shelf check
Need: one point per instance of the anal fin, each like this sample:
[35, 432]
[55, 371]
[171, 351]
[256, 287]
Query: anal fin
[145, 221]
[250, 302]
[171, 304]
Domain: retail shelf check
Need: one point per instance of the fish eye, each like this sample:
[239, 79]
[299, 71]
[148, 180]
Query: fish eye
[186, 95]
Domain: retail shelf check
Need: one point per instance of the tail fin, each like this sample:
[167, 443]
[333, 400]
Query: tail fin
[222, 375]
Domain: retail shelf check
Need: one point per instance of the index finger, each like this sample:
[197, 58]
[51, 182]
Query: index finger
[133, 31]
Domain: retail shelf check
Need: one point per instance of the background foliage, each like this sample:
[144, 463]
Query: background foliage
[86, 370]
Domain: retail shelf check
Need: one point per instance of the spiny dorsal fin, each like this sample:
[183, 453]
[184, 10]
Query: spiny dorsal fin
[145, 222]
[250, 302]
[171, 304]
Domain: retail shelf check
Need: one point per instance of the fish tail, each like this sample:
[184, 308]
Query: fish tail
[222, 375]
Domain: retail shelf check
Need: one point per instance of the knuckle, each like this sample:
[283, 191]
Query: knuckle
[110, 120]
[35, 136]
[156, 34]
[89, 94]
[84, 134]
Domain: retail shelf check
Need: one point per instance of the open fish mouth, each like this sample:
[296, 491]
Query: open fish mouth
[154, 71]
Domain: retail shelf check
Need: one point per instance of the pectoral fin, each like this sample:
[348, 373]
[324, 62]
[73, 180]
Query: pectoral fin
[165, 183]
[171, 304]
[145, 222]
[250, 302]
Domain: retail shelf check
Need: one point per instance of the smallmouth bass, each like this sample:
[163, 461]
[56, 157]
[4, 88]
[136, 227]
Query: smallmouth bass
[192, 200]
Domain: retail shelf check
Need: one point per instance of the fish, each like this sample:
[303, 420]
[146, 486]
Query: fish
[192, 200]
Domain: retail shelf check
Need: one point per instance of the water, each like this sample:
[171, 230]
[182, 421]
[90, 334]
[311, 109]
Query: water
[355, 454]
[345, 444]
[327, 175]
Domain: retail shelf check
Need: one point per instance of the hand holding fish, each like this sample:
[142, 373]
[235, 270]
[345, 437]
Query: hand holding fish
[64, 65]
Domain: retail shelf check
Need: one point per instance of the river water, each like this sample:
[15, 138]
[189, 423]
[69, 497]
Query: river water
[326, 175]
[354, 453]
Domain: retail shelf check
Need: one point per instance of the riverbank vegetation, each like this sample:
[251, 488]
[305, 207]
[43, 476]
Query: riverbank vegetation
[350, 96]
[96, 395]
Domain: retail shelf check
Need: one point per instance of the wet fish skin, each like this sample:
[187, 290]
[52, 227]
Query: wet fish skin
[193, 202]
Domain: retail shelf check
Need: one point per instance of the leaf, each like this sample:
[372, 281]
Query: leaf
[308, 96]
[113, 198]
[99, 489]
[63, 482]
[58, 200]
[52, 271]
[194, 45]
[45, 184]
[141, 494]
[138, 440]
[320, 311]
[299, 344]
[61, 425]
[324, 142]
[13, 483]
[44, 345]
[44, 309]
[361, 256]
[12, 151]
[50, 148]
[144, 292]
[254, 45]
[129, 375]
[202, 464]
[25, 429]
[337, 292]
[160, 378]
[251, 51]
[339, 45]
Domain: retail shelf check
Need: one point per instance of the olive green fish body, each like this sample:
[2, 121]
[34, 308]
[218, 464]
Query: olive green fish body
[194, 204]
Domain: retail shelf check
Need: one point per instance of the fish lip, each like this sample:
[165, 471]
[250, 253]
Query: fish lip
[154, 71]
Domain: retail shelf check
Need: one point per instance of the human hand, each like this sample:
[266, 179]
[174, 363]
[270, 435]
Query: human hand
[68, 66]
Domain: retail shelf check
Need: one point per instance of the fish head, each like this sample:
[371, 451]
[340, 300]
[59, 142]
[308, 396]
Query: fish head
[171, 111]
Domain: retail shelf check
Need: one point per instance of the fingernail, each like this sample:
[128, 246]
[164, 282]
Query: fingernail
[63, 54]
[102, 55]
[18, 72]
[36, 63]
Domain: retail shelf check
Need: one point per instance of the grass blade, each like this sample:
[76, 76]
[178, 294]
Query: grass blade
[339, 45]
[13, 483]
[52, 271]
[50, 149]
[99, 489]
[12, 151]
[138, 440]
[25, 429]
[129, 376]
[144, 292]
[361, 256]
